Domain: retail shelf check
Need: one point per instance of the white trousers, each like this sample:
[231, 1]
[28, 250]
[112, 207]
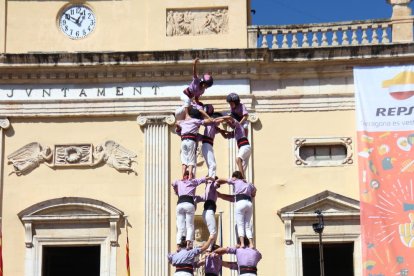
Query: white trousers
[180, 111]
[243, 211]
[244, 154]
[188, 152]
[208, 154]
[210, 220]
[183, 273]
[185, 221]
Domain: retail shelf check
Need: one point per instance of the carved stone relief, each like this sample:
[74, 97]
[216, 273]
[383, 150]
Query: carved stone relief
[197, 22]
[73, 155]
[114, 155]
[30, 156]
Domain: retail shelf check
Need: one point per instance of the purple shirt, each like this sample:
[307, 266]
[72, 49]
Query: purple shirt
[213, 264]
[240, 110]
[197, 106]
[245, 256]
[187, 187]
[184, 256]
[238, 132]
[190, 125]
[210, 130]
[195, 87]
[211, 192]
[241, 186]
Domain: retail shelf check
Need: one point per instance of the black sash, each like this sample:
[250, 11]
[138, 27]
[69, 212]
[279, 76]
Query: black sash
[208, 140]
[248, 269]
[188, 136]
[210, 205]
[184, 267]
[242, 196]
[211, 274]
[242, 142]
[186, 198]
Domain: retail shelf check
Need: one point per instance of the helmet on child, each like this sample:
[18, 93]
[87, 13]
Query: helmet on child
[209, 109]
[207, 79]
[233, 98]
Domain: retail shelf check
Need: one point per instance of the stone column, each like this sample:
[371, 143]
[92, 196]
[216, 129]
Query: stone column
[4, 124]
[156, 192]
[3, 26]
[249, 176]
[402, 21]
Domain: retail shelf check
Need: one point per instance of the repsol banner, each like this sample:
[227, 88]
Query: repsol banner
[385, 125]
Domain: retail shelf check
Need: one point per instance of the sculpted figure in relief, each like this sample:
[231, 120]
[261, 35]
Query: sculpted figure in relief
[29, 157]
[196, 22]
[115, 156]
[215, 22]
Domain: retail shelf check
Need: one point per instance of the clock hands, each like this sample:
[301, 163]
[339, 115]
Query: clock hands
[80, 19]
[72, 19]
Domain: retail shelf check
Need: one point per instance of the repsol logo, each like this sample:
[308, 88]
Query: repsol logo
[394, 111]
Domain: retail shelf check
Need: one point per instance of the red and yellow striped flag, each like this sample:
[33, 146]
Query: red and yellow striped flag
[127, 251]
[1, 252]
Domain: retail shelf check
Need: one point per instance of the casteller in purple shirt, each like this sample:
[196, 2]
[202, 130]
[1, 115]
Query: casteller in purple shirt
[245, 256]
[187, 187]
[241, 186]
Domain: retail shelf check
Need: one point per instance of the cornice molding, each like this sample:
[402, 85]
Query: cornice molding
[151, 118]
[168, 105]
[96, 67]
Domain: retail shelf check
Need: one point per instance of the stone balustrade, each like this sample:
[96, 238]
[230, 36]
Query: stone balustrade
[369, 32]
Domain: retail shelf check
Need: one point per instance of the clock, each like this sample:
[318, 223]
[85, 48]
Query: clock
[77, 21]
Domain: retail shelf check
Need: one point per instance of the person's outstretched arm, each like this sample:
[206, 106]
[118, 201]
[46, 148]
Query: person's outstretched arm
[196, 60]
[226, 197]
[231, 265]
[206, 244]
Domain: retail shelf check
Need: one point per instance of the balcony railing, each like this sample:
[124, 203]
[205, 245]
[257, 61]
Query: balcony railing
[368, 32]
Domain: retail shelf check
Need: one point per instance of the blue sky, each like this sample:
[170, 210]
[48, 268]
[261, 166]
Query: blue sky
[282, 12]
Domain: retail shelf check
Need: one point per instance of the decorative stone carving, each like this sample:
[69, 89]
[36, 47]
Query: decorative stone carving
[29, 157]
[4, 123]
[325, 141]
[144, 119]
[170, 120]
[253, 117]
[75, 211]
[73, 155]
[197, 22]
[115, 156]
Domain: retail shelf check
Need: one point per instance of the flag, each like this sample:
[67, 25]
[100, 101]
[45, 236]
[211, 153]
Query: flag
[126, 248]
[1, 252]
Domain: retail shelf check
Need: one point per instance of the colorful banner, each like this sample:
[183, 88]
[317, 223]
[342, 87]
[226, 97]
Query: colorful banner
[385, 125]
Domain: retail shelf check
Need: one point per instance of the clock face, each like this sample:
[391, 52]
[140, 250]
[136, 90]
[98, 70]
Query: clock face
[77, 21]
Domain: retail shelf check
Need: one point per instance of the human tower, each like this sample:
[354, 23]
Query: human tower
[190, 116]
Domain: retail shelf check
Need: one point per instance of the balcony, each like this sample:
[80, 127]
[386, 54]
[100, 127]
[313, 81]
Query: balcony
[397, 29]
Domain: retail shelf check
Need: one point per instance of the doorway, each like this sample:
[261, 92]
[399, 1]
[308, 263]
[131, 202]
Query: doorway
[71, 260]
[338, 259]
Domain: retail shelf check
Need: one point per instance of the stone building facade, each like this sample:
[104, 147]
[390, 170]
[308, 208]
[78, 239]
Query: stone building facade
[87, 143]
